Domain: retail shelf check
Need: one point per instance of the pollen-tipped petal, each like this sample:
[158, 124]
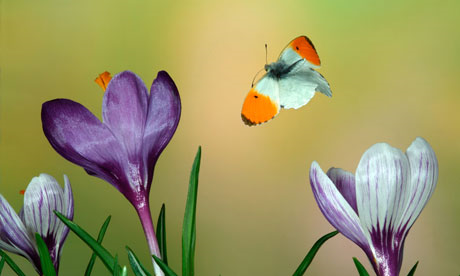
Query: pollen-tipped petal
[335, 207]
[162, 119]
[124, 110]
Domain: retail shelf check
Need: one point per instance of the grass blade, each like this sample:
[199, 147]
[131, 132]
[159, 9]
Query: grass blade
[116, 267]
[311, 254]
[12, 264]
[105, 255]
[412, 271]
[161, 234]
[189, 227]
[45, 258]
[361, 270]
[168, 271]
[137, 267]
[2, 264]
[100, 237]
[124, 271]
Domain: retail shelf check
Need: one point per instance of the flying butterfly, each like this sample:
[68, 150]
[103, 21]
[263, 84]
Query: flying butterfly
[288, 83]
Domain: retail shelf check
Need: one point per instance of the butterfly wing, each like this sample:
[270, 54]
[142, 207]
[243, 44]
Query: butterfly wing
[300, 48]
[262, 102]
[298, 86]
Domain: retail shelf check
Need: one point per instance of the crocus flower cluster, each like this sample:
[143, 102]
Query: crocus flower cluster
[122, 149]
[17, 232]
[376, 207]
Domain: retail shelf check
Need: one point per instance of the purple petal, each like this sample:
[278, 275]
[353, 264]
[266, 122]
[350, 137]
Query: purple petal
[124, 111]
[162, 119]
[14, 236]
[424, 175]
[76, 134]
[335, 207]
[345, 183]
[381, 177]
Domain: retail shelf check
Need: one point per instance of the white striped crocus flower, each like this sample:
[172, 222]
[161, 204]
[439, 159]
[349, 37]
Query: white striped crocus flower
[17, 232]
[376, 207]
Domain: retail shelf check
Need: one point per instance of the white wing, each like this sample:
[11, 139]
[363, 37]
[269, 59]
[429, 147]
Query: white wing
[268, 86]
[298, 86]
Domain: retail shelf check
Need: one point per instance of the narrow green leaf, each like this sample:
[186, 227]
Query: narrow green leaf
[362, 271]
[124, 271]
[311, 254]
[116, 267]
[2, 264]
[412, 271]
[105, 255]
[12, 264]
[167, 271]
[45, 258]
[136, 266]
[189, 227]
[161, 234]
[100, 237]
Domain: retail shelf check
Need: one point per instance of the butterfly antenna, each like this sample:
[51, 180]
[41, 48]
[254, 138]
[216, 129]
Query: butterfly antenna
[266, 54]
[254, 79]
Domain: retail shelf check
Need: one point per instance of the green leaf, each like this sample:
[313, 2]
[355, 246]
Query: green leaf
[311, 254]
[189, 227]
[124, 271]
[12, 264]
[362, 271]
[161, 234]
[100, 237]
[412, 271]
[105, 255]
[137, 267]
[45, 258]
[2, 264]
[167, 271]
[116, 267]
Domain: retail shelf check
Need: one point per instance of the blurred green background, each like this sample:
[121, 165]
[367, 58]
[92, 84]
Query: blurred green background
[393, 67]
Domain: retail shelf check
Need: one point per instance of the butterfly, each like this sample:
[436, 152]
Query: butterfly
[288, 83]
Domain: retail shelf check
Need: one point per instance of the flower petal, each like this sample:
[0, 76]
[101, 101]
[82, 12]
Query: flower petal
[424, 175]
[124, 110]
[345, 183]
[63, 230]
[382, 173]
[76, 134]
[14, 236]
[335, 207]
[381, 177]
[42, 197]
[162, 119]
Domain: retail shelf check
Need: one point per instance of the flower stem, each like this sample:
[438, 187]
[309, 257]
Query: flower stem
[147, 224]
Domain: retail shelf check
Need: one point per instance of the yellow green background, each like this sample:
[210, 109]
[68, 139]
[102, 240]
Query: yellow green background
[393, 67]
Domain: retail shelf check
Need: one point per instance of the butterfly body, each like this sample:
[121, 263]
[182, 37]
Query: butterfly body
[289, 82]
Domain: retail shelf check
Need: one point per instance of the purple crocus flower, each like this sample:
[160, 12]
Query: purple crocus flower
[41, 198]
[376, 207]
[124, 147]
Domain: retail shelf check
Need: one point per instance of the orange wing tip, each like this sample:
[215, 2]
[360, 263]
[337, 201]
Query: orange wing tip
[258, 109]
[304, 47]
[22, 192]
[103, 80]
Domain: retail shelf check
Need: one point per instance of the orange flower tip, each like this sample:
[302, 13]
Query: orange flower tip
[22, 192]
[103, 80]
